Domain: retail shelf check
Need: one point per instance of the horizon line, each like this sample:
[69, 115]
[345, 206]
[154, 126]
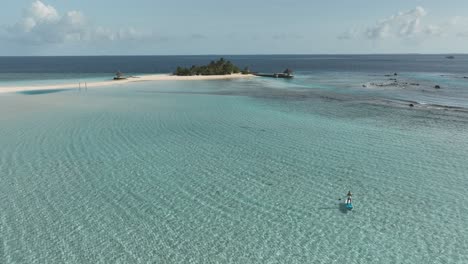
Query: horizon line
[247, 54]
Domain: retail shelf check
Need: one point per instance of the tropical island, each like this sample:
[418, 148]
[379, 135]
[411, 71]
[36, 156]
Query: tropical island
[219, 67]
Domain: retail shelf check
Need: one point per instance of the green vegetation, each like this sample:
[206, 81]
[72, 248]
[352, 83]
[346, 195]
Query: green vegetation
[246, 70]
[220, 67]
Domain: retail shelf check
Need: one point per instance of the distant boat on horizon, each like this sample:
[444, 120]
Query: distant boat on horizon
[450, 57]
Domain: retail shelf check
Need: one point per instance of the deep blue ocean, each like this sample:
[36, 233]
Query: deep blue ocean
[267, 63]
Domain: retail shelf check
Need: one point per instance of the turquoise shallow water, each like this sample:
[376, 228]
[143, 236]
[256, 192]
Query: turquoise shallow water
[38, 79]
[243, 171]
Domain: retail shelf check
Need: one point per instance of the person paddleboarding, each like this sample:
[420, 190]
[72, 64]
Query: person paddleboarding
[349, 201]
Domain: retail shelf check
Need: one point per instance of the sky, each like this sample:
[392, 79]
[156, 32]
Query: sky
[195, 27]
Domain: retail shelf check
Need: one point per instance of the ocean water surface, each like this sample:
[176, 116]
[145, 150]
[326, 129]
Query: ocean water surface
[240, 171]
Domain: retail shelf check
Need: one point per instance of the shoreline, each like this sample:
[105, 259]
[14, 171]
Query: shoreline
[138, 78]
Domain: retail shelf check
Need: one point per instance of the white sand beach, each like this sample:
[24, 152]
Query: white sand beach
[141, 78]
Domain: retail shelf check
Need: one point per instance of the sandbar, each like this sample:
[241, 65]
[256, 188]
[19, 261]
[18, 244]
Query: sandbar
[141, 78]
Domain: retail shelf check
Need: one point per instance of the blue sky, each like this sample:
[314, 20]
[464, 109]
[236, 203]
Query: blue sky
[146, 27]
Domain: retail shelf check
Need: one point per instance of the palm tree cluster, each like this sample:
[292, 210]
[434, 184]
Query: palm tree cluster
[219, 67]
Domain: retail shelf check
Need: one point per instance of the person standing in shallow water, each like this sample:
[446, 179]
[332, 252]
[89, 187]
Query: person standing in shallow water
[348, 200]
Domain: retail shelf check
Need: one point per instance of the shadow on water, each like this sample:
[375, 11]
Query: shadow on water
[37, 92]
[342, 207]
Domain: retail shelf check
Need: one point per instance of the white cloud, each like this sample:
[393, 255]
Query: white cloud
[41, 12]
[404, 24]
[407, 25]
[42, 23]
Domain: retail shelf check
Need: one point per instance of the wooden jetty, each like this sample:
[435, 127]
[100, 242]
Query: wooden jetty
[286, 74]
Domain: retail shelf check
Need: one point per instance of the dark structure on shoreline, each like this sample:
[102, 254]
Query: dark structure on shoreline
[119, 76]
[286, 74]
